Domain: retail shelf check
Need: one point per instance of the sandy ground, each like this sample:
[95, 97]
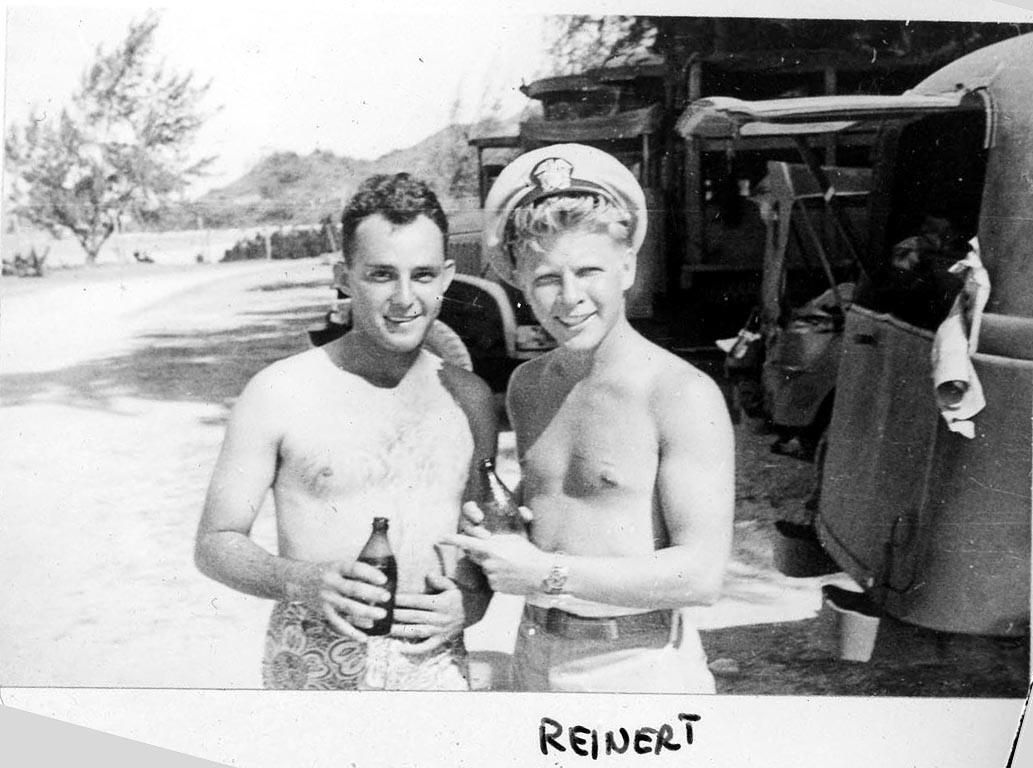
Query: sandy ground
[115, 402]
[114, 389]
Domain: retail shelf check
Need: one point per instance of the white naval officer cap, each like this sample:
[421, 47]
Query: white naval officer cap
[556, 170]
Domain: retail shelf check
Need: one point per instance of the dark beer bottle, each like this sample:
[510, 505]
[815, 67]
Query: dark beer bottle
[377, 552]
[497, 502]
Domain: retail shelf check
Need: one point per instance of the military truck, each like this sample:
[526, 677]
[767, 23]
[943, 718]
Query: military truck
[700, 269]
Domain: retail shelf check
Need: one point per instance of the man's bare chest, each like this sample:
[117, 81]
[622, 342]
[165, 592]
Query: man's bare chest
[590, 446]
[342, 449]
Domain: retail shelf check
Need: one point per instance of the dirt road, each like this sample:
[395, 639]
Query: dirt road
[113, 409]
[115, 387]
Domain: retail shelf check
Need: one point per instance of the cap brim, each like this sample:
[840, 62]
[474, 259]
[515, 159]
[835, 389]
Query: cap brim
[515, 190]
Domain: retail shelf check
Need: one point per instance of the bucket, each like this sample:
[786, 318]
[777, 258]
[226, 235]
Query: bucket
[857, 622]
[799, 554]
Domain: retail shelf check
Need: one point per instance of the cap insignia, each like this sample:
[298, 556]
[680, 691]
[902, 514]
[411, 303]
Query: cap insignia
[552, 174]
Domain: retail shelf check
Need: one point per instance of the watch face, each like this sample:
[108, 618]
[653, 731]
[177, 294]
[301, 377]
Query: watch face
[556, 580]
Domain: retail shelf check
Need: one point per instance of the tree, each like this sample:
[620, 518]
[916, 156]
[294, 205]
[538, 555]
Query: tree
[120, 149]
[581, 42]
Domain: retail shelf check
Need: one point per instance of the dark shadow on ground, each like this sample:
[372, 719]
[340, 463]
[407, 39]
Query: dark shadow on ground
[190, 367]
[801, 658]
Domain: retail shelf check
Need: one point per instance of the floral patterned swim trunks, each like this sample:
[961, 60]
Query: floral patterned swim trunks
[303, 652]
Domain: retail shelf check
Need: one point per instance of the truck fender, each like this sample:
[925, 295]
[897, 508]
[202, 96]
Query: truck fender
[493, 291]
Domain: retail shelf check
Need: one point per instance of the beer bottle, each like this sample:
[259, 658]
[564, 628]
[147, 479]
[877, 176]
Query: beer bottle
[497, 502]
[377, 552]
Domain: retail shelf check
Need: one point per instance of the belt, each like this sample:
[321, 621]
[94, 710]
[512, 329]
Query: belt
[554, 621]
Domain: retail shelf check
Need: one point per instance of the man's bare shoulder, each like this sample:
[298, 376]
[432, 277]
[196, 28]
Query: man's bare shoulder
[666, 380]
[477, 401]
[527, 375]
[269, 404]
[466, 386]
[682, 382]
[282, 379]
[525, 382]
[681, 395]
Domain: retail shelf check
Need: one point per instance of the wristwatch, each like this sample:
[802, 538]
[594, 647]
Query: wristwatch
[556, 579]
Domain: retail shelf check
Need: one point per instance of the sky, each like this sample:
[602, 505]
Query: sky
[358, 83]
[357, 78]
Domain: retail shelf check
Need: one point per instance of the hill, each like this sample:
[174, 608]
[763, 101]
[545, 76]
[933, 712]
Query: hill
[288, 188]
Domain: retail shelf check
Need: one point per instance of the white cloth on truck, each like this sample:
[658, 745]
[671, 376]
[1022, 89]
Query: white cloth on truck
[959, 395]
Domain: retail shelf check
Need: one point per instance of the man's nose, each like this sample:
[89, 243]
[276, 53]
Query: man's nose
[572, 292]
[403, 295]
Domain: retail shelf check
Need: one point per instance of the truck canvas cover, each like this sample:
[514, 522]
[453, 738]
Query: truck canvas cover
[723, 117]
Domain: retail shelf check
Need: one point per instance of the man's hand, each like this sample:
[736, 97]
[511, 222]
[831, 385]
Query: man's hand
[343, 592]
[435, 618]
[511, 563]
[473, 520]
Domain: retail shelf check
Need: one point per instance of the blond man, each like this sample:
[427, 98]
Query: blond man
[626, 450]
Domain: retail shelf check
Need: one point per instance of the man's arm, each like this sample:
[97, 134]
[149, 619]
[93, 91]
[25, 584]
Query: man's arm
[520, 398]
[478, 403]
[243, 474]
[696, 491]
[475, 397]
[695, 487]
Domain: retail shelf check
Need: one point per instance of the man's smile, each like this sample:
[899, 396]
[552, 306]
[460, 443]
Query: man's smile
[402, 319]
[575, 321]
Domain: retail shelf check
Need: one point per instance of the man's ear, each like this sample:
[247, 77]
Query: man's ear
[448, 274]
[523, 281]
[342, 277]
[628, 265]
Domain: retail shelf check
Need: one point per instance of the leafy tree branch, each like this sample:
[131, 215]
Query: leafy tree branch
[120, 149]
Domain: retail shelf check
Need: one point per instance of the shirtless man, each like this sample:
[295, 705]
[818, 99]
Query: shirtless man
[370, 425]
[626, 450]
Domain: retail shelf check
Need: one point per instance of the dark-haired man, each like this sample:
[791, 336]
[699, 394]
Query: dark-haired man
[369, 425]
